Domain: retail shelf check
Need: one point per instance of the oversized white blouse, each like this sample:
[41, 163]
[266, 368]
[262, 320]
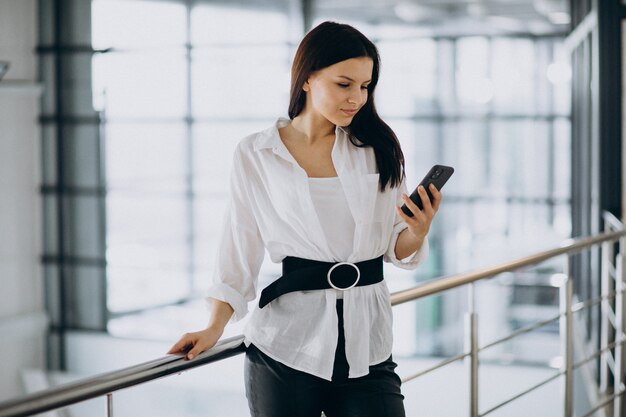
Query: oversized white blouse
[271, 209]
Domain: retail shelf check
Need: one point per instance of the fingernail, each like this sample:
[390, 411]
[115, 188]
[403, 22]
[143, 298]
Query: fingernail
[190, 356]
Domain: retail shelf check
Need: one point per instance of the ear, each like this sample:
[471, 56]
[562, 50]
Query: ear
[306, 87]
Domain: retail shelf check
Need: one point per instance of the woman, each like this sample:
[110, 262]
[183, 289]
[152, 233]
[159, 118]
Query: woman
[320, 192]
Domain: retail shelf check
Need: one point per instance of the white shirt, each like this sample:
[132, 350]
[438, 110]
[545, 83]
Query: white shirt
[271, 209]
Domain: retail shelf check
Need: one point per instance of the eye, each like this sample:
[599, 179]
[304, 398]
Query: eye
[343, 85]
[365, 87]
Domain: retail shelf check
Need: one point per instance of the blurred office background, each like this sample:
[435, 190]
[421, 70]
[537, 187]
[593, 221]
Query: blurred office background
[118, 121]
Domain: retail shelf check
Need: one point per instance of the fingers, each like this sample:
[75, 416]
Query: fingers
[182, 345]
[192, 344]
[436, 197]
[429, 207]
[426, 203]
[411, 206]
[197, 349]
[188, 345]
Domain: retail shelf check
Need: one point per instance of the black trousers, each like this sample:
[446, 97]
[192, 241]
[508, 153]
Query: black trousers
[276, 390]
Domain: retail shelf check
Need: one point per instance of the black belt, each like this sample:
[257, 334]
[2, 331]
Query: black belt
[304, 274]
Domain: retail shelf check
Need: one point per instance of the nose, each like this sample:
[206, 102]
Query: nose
[357, 97]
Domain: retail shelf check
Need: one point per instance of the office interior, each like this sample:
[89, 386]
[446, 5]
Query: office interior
[118, 119]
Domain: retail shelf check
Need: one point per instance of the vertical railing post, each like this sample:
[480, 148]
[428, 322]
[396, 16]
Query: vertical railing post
[619, 329]
[110, 404]
[567, 340]
[605, 307]
[471, 346]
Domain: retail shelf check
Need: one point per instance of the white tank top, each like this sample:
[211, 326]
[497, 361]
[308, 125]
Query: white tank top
[334, 215]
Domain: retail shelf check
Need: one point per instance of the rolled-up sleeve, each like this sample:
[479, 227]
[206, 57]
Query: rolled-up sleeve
[240, 249]
[417, 257]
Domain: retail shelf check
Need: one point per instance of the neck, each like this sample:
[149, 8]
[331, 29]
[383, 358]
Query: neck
[312, 129]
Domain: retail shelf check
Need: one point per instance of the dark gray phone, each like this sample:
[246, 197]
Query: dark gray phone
[437, 175]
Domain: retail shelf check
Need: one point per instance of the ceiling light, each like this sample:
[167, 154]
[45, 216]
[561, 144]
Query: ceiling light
[559, 73]
[559, 18]
[411, 12]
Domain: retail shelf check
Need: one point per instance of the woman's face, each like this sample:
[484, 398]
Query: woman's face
[339, 91]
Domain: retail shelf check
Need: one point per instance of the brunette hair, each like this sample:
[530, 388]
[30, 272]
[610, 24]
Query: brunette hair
[325, 45]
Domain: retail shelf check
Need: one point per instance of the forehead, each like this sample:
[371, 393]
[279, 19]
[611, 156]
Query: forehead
[359, 69]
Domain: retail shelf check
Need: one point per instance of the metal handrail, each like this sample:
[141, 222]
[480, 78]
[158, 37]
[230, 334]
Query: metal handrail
[106, 383]
[103, 384]
[569, 246]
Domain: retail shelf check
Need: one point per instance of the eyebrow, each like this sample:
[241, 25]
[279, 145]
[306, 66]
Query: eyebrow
[350, 79]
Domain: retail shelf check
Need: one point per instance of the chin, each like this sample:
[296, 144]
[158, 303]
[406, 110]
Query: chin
[343, 121]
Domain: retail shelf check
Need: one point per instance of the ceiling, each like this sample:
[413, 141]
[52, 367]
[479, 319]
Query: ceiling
[454, 17]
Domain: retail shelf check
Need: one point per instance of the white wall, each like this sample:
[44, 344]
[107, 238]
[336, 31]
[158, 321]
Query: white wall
[22, 316]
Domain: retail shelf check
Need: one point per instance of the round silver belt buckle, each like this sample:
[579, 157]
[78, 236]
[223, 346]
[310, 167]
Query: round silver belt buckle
[330, 282]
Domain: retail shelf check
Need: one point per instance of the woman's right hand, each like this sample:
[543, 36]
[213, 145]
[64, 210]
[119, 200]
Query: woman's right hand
[192, 344]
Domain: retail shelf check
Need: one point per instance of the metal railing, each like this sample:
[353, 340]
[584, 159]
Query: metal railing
[611, 301]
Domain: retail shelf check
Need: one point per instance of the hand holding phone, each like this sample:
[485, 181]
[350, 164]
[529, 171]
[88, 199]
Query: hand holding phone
[438, 175]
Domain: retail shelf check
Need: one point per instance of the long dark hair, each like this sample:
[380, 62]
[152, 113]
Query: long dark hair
[325, 45]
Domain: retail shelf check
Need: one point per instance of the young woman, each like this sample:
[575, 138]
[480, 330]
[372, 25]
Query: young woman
[320, 192]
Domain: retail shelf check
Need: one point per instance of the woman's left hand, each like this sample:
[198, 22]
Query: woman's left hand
[419, 224]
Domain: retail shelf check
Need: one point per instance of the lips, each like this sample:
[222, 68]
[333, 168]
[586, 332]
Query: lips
[349, 112]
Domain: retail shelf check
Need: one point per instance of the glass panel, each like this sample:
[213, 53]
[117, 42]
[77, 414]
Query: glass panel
[142, 24]
[474, 88]
[513, 70]
[465, 147]
[146, 158]
[140, 84]
[561, 164]
[147, 250]
[407, 80]
[145, 285]
[211, 24]
[225, 86]
[526, 175]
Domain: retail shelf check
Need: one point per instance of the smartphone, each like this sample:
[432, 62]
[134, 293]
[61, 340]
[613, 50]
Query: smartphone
[437, 175]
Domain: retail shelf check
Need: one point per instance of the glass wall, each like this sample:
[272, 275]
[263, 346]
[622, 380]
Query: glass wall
[177, 101]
